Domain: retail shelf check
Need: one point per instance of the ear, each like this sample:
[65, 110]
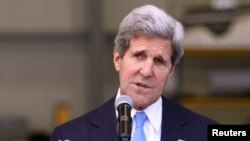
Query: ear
[117, 60]
[172, 71]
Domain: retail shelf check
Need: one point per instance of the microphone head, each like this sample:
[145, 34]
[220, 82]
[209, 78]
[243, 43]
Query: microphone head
[123, 99]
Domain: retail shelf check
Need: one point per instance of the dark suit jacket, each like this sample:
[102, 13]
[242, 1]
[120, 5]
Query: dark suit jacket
[100, 125]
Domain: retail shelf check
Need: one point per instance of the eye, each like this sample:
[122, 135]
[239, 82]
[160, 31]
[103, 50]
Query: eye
[160, 61]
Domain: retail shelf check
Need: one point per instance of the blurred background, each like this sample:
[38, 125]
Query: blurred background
[56, 60]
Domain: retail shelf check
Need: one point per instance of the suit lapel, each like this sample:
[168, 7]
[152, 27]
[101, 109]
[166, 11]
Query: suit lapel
[104, 123]
[172, 122]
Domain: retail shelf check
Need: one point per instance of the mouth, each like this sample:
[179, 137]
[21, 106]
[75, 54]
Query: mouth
[142, 85]
[141, 88]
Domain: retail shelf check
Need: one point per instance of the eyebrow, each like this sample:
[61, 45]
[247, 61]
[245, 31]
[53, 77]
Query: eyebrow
[139, 52]
[159, 56]
[161, 59]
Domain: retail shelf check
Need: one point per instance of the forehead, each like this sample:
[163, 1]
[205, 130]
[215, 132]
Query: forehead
[152, 44]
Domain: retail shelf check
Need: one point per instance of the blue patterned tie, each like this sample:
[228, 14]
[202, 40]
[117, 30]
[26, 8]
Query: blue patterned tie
[139, 134]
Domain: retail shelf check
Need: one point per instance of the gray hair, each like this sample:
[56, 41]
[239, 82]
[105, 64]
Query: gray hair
[150, 21]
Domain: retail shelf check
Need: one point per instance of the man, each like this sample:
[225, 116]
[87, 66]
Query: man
[148, 45]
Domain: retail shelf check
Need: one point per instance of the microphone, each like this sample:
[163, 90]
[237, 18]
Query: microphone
[124, 104]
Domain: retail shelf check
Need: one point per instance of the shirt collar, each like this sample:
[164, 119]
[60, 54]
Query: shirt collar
[153, 112]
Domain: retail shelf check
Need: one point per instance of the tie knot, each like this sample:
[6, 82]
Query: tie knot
[140, 118]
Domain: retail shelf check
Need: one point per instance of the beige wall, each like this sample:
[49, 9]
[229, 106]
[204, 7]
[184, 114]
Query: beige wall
[42, 16]
[36, 76]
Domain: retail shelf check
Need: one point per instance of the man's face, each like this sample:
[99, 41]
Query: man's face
[144, 69]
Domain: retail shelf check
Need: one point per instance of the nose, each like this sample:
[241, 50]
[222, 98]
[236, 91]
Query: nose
[147, 69]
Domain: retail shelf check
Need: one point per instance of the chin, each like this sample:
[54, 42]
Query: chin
[140, 106]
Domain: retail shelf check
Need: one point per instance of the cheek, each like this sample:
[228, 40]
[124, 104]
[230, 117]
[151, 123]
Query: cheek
[162, 79]
[125, 73]
[128, 68]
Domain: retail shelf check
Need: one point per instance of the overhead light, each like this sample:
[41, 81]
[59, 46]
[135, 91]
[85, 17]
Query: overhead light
[224, 4]
[218, 16]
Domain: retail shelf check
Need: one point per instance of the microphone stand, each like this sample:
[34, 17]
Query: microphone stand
[124, 123]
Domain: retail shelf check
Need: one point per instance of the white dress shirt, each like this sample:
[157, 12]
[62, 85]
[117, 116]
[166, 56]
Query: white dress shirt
[152, 126]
